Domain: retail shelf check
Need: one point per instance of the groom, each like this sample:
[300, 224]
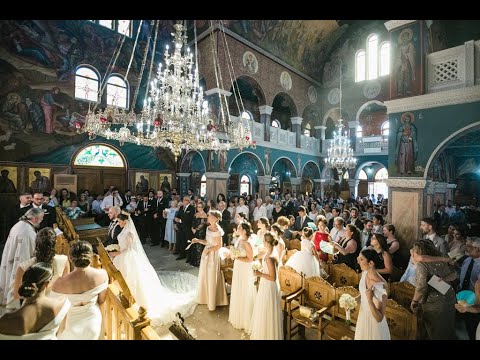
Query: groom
[113, 229]
[184, 220]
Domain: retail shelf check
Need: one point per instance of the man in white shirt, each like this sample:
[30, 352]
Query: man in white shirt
[114, 199]
[241, 208]
[259, 211]
[269, 206]
[338, 231]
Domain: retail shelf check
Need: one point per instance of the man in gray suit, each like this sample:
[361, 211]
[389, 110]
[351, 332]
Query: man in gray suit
[428, 228]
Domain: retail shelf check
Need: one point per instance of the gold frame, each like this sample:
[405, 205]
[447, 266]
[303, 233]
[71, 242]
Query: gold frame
[169, 178]
[47, 172]
[12, 175]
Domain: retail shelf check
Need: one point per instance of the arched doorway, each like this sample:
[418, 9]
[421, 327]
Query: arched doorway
[310, 171]
[372, 176]
[99, 166]
[251, 94]
[283, 110]
[283, 169]
[245, 166]
[193, 163]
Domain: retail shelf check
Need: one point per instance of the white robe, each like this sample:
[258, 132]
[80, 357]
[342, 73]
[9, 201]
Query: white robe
[20, 246]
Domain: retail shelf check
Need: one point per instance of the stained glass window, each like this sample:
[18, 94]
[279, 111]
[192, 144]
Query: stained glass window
[244, 185]
[86, 84]
[203, 186]
[360, 66]
[372, 54]
[99, 155]
[106, 23]
[385, 59]
[117, 92]
[124, 27]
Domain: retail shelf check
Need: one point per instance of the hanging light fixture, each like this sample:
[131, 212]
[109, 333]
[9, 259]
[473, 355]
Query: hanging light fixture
[174, 114]
[340, 154]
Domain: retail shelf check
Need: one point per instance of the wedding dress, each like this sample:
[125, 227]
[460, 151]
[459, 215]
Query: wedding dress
[163, 295]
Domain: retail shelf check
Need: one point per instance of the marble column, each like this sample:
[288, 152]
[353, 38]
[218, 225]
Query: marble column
[406, 208]
[320, 135]
[353, 185]
[264, 185]
[352, 125]
[184, 182]
[214, 106]
[296, 184]
[450, 192]
[216, 184]
[318, 187]
[297, 129]
[265, 119]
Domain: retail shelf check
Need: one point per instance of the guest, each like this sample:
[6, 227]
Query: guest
[449, 236]
[354, 219]
[371, 322]
[267, 318]
[348, 247]
[50, 217]
[377, 223]
[221, 197]
[313, 213]
[45, 253]
[427, 225]
[366, 234]
[211, 283]
[53, 200]
[66, 198]
[410, 273]
[170, 234]
[379, 244]
[73, 211]
[22, 208]
[389, 233]
[225, 222]
[306, 260]
[86, 288]
[20, 246]
[301, 222]
[231, 210]
[241, 208]
[199, 229]
[338, 231]
[184, 220]
[243, 292]
[210, 205]
[472, 309]
[83, 203]
[277, 211]
[321, 234]
[438, 312]
[132, 205]
[41, 316]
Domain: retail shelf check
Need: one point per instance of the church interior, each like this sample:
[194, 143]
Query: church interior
[225, 166]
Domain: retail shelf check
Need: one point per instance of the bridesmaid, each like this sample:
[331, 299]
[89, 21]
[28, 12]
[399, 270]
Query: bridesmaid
[242, 296]
[211, 283]
[267, 321]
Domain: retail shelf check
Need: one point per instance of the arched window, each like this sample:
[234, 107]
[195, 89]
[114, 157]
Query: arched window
[381, 174]
[359, 131]
[117, 92]
[205, 107]
[385, 58]
[99, 155]
[360, 66]
[244, 185]
[203, 186]
[246, 115]
[379, 186]
[386, 128]
[86, 83]
[372, 56]
[346, 175]
[362, 175]
[307, 130]
[276, 123]
[106, 23]
[125, 27]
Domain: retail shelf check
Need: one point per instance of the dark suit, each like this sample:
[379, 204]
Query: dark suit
[225, 224]
[367, 237]
[126, 200]
[113, 230]
[17, 213]
[144, 220]
[288, 208]
[358, 223]
[186, 215]
[299, 225]
[158, 224]
[49, 218]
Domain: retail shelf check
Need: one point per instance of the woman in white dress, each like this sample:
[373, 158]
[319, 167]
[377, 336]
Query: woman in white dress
[280, 248]
[170, 234]
[371, 322]
[40, 316]
[44, 252]
[211, 283]
[163, 295]
[306, 260]
[267, 321]
[86, 288]
[243, 292]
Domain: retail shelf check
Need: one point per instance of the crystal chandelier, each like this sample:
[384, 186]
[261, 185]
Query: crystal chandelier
[340, 154]
[174, 114]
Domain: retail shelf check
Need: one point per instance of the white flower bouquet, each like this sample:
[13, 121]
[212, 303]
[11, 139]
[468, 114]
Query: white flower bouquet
[234, 252]
[256, 266]
[112, 247]
[348, 303]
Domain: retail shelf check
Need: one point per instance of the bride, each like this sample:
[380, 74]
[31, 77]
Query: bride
[163, 295]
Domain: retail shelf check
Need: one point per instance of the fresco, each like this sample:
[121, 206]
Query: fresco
[38, 58]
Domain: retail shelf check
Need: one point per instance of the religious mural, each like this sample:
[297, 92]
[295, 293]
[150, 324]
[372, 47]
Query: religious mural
[407, 61]
[38, 58]
[406, 145]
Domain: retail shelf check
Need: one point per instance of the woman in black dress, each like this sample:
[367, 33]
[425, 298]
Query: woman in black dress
[199, 229]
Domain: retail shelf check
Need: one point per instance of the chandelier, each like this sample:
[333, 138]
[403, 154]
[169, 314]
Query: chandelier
[339, 153]
[174, 114]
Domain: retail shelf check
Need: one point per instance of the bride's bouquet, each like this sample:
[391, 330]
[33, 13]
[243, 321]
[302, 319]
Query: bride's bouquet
[256, 266]
[234, 252]
[112, 247]
[348, 303]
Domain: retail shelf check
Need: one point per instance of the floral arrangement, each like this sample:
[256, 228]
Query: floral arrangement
[234, 252]
[112, 247]
[348, 303]
[256, 266]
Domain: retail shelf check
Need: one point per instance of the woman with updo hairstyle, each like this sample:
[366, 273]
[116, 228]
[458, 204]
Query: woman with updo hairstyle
[263, 225]
[267, 317]
[243, 291]
[280, 248]
[379, 244]
[40, 316]
[44, 252]
[306, 260]
[86, 288]
[371, 322]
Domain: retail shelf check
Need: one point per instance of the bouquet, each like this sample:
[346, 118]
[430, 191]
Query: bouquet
[112, 247]
[348, 303]
[256, 266]
[234, 252]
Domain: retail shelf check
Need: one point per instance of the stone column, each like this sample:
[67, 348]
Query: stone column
[353, 185]
[216, 184]
[265, 119]
[319, 186]
[296, 184]
[184, 182]
[450, 192]
[214, 106]
[297, 128]
[320, 134]
[264, 185]
[352, 125]
[406, 208]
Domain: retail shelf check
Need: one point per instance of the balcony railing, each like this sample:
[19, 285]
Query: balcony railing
[365, 145]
